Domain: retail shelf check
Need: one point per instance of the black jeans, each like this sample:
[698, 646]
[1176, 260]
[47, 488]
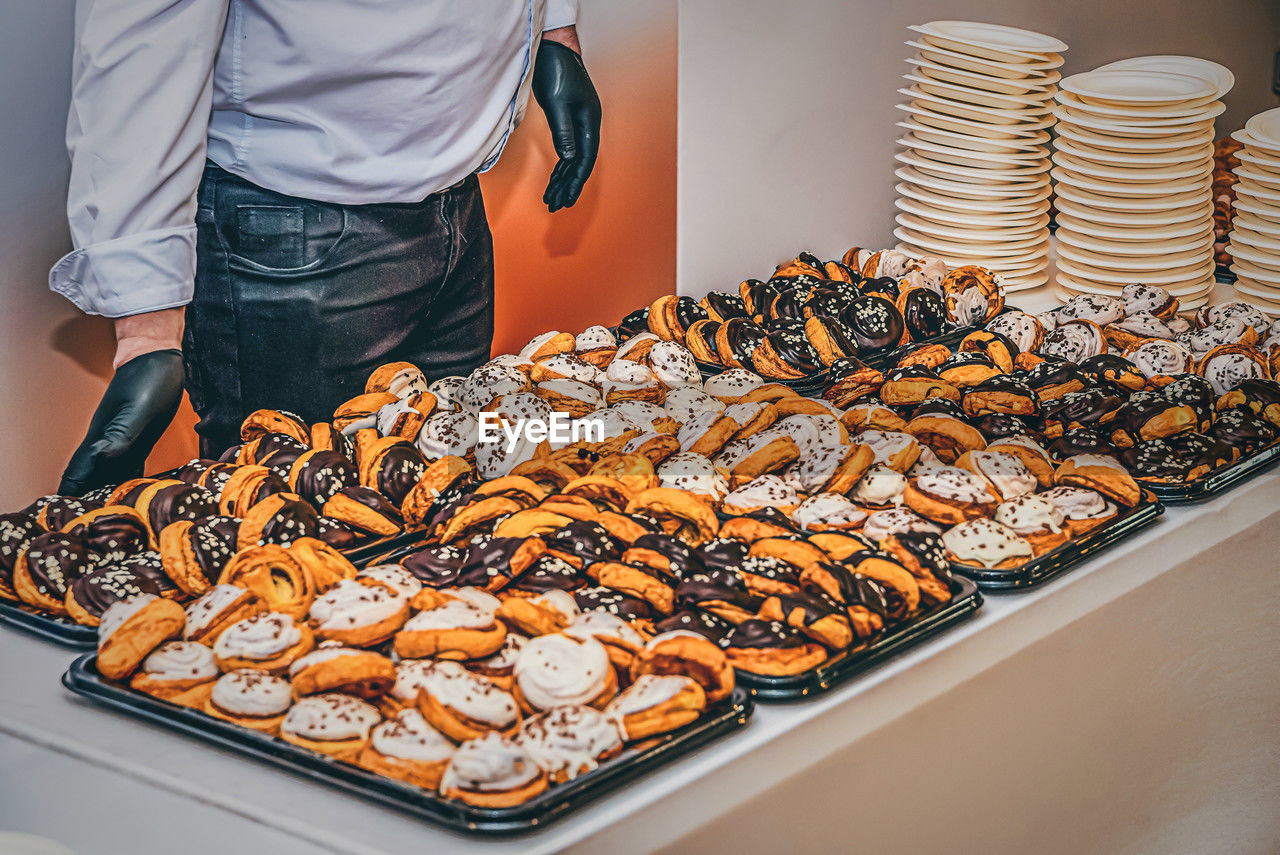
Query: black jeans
[296, 301]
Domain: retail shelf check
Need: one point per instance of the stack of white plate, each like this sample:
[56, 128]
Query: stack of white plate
[1133, 163]
[1255, 232]
[974, 166]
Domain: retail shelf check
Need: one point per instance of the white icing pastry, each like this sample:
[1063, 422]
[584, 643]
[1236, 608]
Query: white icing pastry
[454, 613]
[954, 484]
[881, 524]
[647, 692]
[468, 694]
[766, 491]
[733, 383]
[446, 390]
[594, 338]
[491, 763]
[1079, 503]
[389, 414]
[886, 444]
[696, 428]
[553, 670]
[330, 717]
[408, 736]
[985, 542]
[119, 612]
[350, 604]
[1030, 514]
[1160, 357]
[1103, 460]
[321, 654]
[830, 509]
[181, 660]
[488, 382]
[536, 343]
[407, 382]
[568, 740]
[641, 415]
[249, 692]
[1007, 473]
[694, 473]
[448, 433]
[674, 365]
[259, 637]
[604, 625]
[879, 487]
[685, 402]
[405, 583]
[210, 605]
[571, 367]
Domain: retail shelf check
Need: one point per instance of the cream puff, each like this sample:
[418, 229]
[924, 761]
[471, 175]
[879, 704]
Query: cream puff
[333, 724]
[492, 772]
[569, 740]
[1036, 519]
[180, 672]
[407, 748]
[218, 608]
[250, 698]
[130, 629]
[986, 543]
[621, 638]
[450, 626]
[656, 704]
[458, 703]
[554, 670]
[270, 642]
[359, 614]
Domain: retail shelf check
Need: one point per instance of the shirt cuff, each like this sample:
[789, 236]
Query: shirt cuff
[560, 13]
[130, 275]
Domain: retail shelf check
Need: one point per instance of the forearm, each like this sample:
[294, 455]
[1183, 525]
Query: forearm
[567, 36]
[139, 334]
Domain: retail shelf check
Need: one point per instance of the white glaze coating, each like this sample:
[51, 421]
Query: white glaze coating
[491, 763]
[262, 636]
[330, 717]
[119, 612]
[408, 736]
[249, 692]
[181, 660]
[568, 740]
[830, 509]
[350, 604]
[985, 542]
[553, 670]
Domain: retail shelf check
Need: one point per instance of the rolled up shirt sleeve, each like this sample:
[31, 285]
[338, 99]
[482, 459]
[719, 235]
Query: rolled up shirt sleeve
[141, 90]
[560, 13]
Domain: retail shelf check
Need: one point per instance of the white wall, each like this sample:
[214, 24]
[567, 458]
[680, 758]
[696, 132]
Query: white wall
[787, 109]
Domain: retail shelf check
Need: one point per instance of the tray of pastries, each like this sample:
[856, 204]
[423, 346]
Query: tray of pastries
[1188, 403]
[422, 700]
[792, 327]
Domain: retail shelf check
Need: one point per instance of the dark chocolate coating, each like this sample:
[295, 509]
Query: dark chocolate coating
[1155, 458]
[794, 349]
[1087, 407]
[1200, 449]
[587, 540]
[744, 336]
[550, 573]
[1055, 372]
[270, 443]
[193, 470]
[773, 569]
[758, 296]
[684, 559]
[597, 599]
[826, 301]
[722, 553]
[856, 589]
[322, 475]
[929, 550]
[55, 559]
[16, 530]
[688, 311]
[692, 620]
[936, 406]
[839, 336]
[846, 366]
[337, 533]
[175, 502]
[763, 634]
[113, 536]
[720, 586]
[1000, 425]
[874, 323]
[789, 304]
[1195, 392]
[148, 565]
[294, 519]
[487, 557]
[1107, 368]
[884, 286]
[63, 509]
[633, 324]
[213, 542]
[813, 605]
[1243, 429]
[925, 314]
[97, 590]
[725, 306]
[375, 501]
[773, 516]
[1085, 440]
[436, 565]
[399, 470]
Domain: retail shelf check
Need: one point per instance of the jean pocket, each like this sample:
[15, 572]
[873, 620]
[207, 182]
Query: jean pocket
[286, 238]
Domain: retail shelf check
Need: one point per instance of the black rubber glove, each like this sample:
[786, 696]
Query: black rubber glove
[565, 93]
[137, 407]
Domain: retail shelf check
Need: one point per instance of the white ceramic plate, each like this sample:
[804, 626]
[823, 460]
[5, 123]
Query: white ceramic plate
[1018, 206]
[922, 114]
[1134, 264]
[1132, 145]
[1130, 124]
[1261, 210]
[1014, 176]
[997, 219]
[1161, 217]
[1035, 231]
[1138, 86]
[1013, 285]
[980, 97]
[1126, 113]
[1066, 222]
[1191, 289]
[990, 41]
[1029, 117]
[962, 157]
[1260, 257]
[1012, 70]
[1219, 75]
[1132, 130]
[1145, 159]
[1259, 161]
[1178, 276]
[967, 142]
[980, 249]
[1130, 173]
[1009, 241]
[1243, 235]
[1122, 248]
[1262, 178]
[976, 192]
[1265, 127]
[1257, 225]
[1247, 188]
[1255, 145]
[1254, 293]
[1129, 188]
[990, 83]
[1112, 202]
[1255, 272]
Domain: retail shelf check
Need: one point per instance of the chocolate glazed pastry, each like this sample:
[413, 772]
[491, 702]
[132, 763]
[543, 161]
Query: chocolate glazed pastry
[703, 623]
[924, 312]
[633, 324]
[1196, 393]
[355, 516]
[48, 566]
[492, 562]
[172, 502]
[598, 599]
[882, 286]
[91, 594]
[60, 510]
[939, 407]
[721, 306]
[16, 530]
[550, 573]
[584, 542]
[757, 297]
[318, 475]
[874, 323]
[999, 425]
[398, 470]
[826, 301]
[722, 553]
[337, 534]
[736, 340]
[212, 541]
[436, 565]
[789, 304]
[666, 553]
[1202, 450]
[112, 536]
[1242, 429]
[1076, 409]
[1085, 440]
[1157, 460]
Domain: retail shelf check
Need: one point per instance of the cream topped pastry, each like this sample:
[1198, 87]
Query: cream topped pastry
[1020, 328]
[326, 651]
[1030, 514]
[569, 740]
[1226, 371]
[648, 691]
[1099, 308]
[673, 364]
[1006, 473]
[812, 431]
[1074, 340]
[572, 390]
[612, 423]
[685, 402]
[331, 717]
[446, 390]
[561, 601]
[602, 625]
[696, 428]
[479, 598]
[119, 612]
[766, 491]
[951, 483]
[1079, 503]
[259, 637]
[351, 604]
[1144, 325]
[641, 415]
[1205, 339]
[505, 659]
[879, 487]
[886, 444]
[389, 416]
[1139, 298]
[733, 383]
[594, 337]
[635, 348]
[985, 542]
[693, 473]
[471, 695]
[816, 466]
[928, 460]
[411, 676]
[210, 607]
[489, 381]
[248, 692]
[1104, 460]
[1160, 357]
[408, 736]
[881, 524]
[394, 576]
[453, 613]
[448, 433]
[571, 367]
[830, 510]
[522, 406]
[180, 660]
[491, 763]
[553, 670]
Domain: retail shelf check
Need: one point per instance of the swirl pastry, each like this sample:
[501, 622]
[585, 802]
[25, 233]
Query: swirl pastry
[360, 614]
[276, 575]
[553, 670]
[334, 668]
[1155, 357]
[569, 740]
[270, 642]
[180, 672]
[1100, 309]
[333, 724]
[407, 748]
[972, 294]
[492, 772]
[1150, 299]
[250, 698]
[1227, 366]
[1082, 508]
[449, 627]
[1074, 340]
[460, 704]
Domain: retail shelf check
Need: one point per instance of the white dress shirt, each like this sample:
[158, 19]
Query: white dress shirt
[345, 101]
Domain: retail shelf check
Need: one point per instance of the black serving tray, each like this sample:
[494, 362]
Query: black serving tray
[364, 554]
[1062, 558]
[1217, 481]
[559, 800]
[965, 601]
[59, 630]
